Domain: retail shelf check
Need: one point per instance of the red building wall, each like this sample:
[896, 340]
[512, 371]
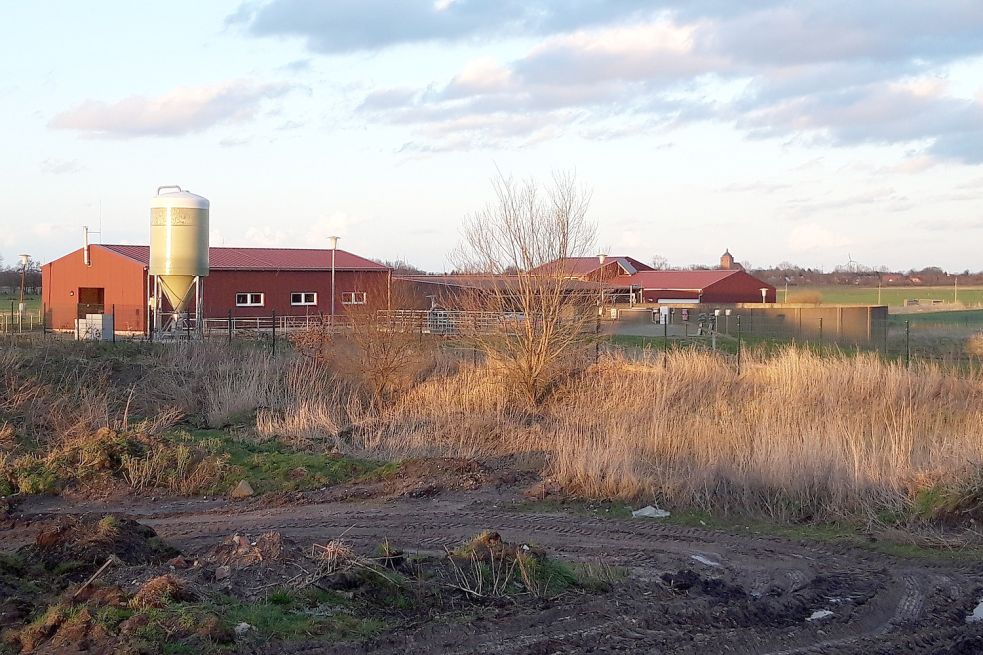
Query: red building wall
[221, 287]
[125, 289]
[736, 288]
[739, 287]
[123, 280]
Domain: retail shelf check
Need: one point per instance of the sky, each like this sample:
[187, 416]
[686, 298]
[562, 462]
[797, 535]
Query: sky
[813, 131]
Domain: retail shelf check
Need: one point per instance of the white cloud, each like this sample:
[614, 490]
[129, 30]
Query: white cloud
[181, 111]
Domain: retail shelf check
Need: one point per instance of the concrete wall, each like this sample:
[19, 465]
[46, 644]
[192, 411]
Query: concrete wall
[843, 324]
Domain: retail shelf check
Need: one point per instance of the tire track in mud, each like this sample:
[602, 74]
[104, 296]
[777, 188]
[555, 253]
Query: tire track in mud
[899, 612]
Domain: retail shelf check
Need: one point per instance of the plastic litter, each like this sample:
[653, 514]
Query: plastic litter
[243, 628]
[704, 560]
[650, 512]
[819, 615]
[977, 614]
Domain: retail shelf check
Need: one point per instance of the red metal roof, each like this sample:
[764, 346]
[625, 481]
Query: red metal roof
[676, 280]
[584, 266]
[265, 259]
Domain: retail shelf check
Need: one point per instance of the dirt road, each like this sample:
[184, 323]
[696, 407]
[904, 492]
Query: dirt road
[688, 590]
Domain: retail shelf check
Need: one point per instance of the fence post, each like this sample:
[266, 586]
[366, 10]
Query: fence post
[738, 344]
[114, 322]
[907, 343]
[44, 321]
[274, 333]
[597, 337]
[230, 326]
[665, 341]
[820, 330]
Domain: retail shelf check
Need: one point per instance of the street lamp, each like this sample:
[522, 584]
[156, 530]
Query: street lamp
[334, 249]
[600, 282]
[764, 294]
[24, 261]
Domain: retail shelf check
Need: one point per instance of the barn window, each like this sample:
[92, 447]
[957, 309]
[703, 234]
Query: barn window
[303, 298]
[353, 298]
[249, 299]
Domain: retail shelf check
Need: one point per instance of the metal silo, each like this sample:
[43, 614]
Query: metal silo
[178, 255]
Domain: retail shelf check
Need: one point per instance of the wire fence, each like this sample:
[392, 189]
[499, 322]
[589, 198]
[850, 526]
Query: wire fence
[952, 338]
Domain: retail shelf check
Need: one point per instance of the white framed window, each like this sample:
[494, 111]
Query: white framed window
[250, 299]
[353, 298]
[303, 298]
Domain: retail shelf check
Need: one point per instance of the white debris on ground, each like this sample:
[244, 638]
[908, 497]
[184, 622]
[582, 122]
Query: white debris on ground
[650, 512]
[704, 560]
[819, 615]
[977, 614]
[243, 628]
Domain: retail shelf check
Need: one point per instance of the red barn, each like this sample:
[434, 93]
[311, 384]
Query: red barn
[246, 282]
[694, 287]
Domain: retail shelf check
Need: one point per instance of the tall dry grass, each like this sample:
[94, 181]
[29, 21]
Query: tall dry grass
[796, 434]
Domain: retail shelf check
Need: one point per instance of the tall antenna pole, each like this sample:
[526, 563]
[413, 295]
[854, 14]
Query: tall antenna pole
[334, 250]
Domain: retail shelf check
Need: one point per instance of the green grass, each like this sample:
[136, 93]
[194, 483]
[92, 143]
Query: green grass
[32, 302]
[274, 466]
[968, 317]
[890, 296]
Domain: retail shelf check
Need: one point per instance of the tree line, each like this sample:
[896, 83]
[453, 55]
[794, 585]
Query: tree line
[10, 276]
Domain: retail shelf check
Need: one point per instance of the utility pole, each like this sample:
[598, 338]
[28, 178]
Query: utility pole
[600, 306]
[334, 250]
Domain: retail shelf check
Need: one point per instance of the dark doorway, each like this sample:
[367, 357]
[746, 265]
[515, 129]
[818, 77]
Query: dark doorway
[91, 301]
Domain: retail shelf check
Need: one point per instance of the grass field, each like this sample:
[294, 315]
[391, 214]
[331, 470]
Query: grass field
[890, 296]
[33, 302]
[967, 317]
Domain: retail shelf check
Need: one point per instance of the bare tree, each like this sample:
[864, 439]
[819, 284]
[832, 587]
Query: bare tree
[660, 263]
[534, 319]
[379, 345]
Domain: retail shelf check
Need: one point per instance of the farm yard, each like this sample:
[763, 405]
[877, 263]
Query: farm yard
[814, 500]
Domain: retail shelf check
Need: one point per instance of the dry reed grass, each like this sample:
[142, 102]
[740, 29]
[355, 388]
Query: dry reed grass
[797, 434]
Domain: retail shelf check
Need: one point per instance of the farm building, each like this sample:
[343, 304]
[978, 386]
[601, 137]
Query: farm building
[694, 287]
[243, 282]
[590, 268]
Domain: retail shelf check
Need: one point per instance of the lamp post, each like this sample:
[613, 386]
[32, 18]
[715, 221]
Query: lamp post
[600, 307]
[24, 261]
[600, 281]
[764, 294]
[334, 249]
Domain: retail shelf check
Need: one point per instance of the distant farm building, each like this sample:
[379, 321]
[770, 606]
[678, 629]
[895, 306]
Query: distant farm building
[244, 282]
[694, 287]
[628, 279]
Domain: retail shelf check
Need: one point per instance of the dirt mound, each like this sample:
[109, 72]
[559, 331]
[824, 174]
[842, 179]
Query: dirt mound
[80, 546]
[416, 478]
[160, 591]
[239, 551]
[249, 566]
